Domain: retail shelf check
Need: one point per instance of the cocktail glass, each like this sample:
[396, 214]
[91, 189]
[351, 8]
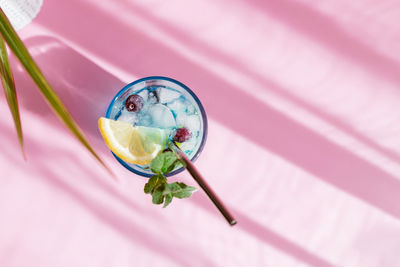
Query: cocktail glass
[168, 104]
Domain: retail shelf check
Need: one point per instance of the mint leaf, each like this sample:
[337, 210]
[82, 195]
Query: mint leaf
[158, 194]
[165, 191]
[170, 160]
[180, 190]
[157, 163]
[172, 166]
[154, 182]
[158, 186]
[168, 199]
[164, 162]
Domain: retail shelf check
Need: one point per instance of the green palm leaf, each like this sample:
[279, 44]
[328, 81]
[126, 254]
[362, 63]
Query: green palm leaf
[19, 49]
[9, 90]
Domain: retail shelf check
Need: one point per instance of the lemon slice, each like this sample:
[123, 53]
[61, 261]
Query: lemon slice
[138, 145]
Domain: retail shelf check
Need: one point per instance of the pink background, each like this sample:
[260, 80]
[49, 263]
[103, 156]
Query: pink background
[304, 135]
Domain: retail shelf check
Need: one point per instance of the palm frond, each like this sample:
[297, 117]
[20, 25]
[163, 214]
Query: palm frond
[21, 52]
[9, 89]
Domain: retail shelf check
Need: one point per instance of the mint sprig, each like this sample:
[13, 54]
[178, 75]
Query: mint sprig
[164, 162]
[158, 187]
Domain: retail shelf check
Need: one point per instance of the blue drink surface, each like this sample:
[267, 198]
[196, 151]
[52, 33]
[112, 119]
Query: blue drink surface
[167, 104]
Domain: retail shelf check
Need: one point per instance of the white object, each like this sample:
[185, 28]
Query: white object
[191, 122]
[189, 145]
[177, 106]
[162, 116]
[127, 116]
[21, 12]
[144, 94]
[166, 95]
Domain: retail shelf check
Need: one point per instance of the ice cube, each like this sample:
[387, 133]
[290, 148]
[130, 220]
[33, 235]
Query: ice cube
[127, 116]
[145, 120]
[166, 95]
[180, 119]
[191, 122]
[190, 109]
[189, 145]
[144, 94]
[177, 106]
[161, 116]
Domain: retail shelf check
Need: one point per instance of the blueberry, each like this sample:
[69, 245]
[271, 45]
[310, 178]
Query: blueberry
[134, 103]
[182, 135]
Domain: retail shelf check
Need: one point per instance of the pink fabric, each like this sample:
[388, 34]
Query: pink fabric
[303, 146]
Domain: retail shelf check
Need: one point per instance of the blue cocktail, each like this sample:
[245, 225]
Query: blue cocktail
[164, 103]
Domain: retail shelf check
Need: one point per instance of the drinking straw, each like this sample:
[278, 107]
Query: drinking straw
[189, 166]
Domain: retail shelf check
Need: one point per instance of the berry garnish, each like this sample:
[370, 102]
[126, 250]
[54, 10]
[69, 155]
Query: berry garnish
[182, 135]
[134, 103]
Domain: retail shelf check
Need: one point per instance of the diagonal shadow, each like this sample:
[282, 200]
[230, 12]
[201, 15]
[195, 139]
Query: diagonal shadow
[127, 228]
[133, 232]
[287, 138]
[268, 84]
[327, 32]
[86, 96]
[264, 234]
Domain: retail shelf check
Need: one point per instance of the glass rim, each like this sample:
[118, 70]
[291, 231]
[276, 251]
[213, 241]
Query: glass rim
[196, 99]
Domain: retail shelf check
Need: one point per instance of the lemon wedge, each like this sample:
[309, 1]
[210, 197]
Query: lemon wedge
[137, 145]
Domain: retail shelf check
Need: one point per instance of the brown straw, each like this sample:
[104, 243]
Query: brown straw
[202, 183]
